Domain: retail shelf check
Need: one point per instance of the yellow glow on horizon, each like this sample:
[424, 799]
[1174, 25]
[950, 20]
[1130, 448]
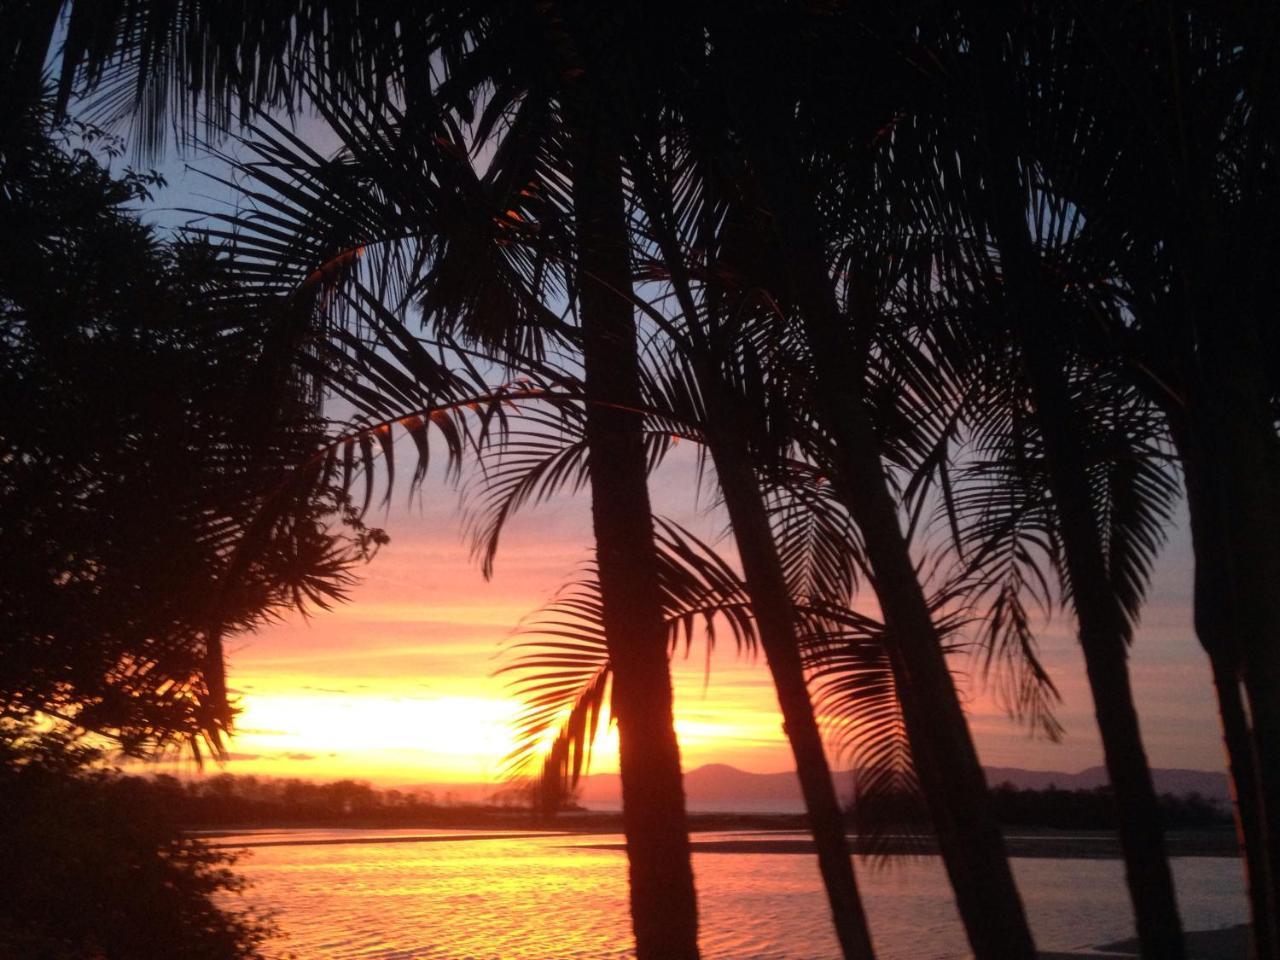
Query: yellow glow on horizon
[452, 726]
[385, 733]
[430, 738]
[398, 687]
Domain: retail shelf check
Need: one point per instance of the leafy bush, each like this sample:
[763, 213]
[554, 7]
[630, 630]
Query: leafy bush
[97, 869]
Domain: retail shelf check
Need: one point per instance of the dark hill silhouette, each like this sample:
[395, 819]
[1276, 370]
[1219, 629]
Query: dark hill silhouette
[721, 788]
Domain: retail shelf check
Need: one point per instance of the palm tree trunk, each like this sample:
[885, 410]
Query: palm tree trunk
[955, 787]
[1229, 446]
[663, 900]
[947, 762]
[1238, 740]
[1102, 625]
[1104, 639]
[1234, 457]
[1142, 840]
[1103, 629]
[1218, 636]
[1260, 684]
[771, 601]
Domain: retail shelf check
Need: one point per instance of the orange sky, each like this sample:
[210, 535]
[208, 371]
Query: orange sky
[397, 686]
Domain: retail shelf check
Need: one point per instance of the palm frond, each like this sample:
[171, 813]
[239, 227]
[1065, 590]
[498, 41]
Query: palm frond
[559, 660]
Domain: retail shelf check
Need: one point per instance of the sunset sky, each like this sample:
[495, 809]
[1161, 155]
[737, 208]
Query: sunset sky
[397, 686]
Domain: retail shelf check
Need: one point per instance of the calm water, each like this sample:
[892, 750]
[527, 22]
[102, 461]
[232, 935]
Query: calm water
[469, 898]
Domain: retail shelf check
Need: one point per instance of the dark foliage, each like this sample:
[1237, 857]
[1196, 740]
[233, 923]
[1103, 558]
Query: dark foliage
[97, 867]
[228, 800]
[1096, 809]
[143, 418]
[1051, 808]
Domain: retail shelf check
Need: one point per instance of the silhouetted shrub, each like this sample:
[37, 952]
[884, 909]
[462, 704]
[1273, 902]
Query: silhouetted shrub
[145, 410]
[96, 868]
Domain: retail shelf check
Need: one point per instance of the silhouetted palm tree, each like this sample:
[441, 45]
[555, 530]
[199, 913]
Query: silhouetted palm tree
[761, 100]
[685, 247]
[664, 903]
[1211, 86]
[1028, 256]
[587, 159]
[1174, 180]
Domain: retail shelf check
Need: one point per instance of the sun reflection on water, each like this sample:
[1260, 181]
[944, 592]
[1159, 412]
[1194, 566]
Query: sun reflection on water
[564, 897]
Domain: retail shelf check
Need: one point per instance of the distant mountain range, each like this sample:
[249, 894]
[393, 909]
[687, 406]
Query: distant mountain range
[719, 788]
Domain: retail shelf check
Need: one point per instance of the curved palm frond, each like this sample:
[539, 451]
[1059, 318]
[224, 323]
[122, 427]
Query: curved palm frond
[560, 661]
[856, 696]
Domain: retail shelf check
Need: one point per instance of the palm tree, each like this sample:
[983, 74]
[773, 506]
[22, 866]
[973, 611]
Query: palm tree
[1105, 595]
[1215, 613]
[706, 382]
[650, 757]
[148, 45]
[947, 763]
[1219, 203]
[664, 903]
[1175, 180]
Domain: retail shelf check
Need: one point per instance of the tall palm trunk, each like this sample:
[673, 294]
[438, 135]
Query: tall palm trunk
[947, 763]
[775, 615]
[1242, 764]
[726, 432]
[1261, 683]
[1220, 248]
[1103, 639]
[1218, 635]
[1254, 498]
[1241, 467]
[1229, 622]
[663, 901]
[1102, 626]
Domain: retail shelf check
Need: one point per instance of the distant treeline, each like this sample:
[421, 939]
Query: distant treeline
[227, 799]
[1095, 809]
[1050, 808]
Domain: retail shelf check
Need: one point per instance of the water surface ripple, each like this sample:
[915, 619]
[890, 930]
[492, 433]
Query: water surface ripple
[564, 898]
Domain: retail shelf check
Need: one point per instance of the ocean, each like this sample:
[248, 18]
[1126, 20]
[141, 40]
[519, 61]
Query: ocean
[468, 895]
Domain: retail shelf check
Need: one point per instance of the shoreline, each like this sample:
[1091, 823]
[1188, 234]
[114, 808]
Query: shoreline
[1021, 843]
[1073, 847]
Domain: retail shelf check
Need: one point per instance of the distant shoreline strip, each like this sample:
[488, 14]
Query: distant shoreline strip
[1033, 847]
[339, 841]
